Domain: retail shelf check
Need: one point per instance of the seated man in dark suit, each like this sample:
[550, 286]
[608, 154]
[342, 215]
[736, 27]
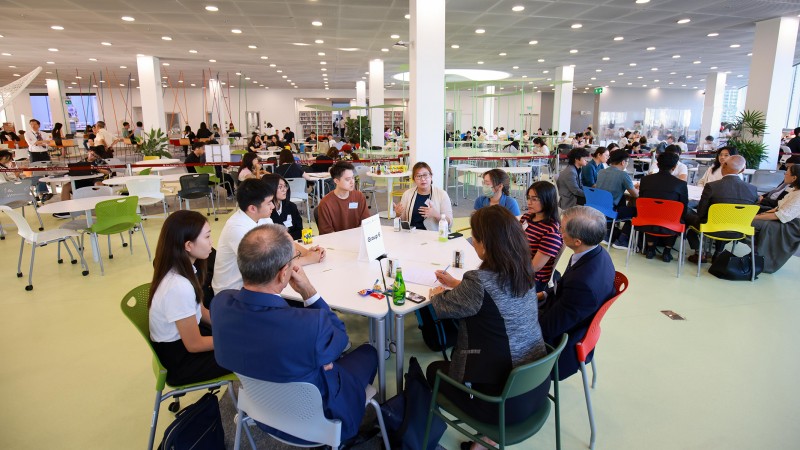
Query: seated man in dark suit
[729, 189]
[588, 282]
[259, 335]
[665, 186]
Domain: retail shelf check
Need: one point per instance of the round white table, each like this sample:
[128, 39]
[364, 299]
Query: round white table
[319, 182]
[77, 205]
[173, 177]
[158, 161]
[120, 181]
[69, 179]
[390, 177]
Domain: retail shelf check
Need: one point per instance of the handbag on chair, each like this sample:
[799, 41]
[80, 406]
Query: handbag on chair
[737, 268]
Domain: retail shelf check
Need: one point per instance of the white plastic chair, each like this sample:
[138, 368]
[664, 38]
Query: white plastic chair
[366, 184]
[41, 239]
[148, 190]
[18, 194]
[78, 222]
[298, 188]
[293, 408]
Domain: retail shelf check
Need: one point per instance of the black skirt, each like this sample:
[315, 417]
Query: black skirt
[184, 367]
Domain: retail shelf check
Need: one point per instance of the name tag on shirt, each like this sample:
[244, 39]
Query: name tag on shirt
[353, 205]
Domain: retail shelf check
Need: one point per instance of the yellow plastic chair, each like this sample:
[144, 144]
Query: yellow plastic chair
[731, 218]
[134, 306]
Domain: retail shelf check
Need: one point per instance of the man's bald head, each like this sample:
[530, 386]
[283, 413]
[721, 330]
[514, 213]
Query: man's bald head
[733, 165]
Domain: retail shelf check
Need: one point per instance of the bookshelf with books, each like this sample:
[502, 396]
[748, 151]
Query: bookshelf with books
[393, 119]
[320, 122]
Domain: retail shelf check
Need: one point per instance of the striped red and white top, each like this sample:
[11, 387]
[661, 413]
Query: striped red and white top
[545, 237]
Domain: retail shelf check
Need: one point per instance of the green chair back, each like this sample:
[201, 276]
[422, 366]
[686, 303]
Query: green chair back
[239, 152]
[527, 377]
[212, 174]
[146, 171]
[134, 306]
[116, 216]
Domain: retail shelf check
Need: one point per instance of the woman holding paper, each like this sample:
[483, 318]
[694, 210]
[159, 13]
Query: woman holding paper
[424, 205]
[498, 319]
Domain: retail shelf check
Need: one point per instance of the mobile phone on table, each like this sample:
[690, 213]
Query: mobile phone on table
[454, 235]
[405, 225]
[414, 297]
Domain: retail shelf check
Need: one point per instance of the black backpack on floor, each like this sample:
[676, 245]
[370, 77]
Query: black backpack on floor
[196, 427]
[438, 334]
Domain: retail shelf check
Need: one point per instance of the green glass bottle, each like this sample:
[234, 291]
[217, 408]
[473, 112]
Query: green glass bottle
[399, 288]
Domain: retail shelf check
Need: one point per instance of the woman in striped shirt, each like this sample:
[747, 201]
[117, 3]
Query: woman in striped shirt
[543, 231]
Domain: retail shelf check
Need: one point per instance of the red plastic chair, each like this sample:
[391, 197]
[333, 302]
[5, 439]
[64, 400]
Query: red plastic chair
[663, 213]
[589, 341]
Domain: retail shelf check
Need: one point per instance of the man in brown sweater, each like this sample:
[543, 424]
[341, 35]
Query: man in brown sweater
[345, 207]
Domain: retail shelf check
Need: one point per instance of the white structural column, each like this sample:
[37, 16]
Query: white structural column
[58, 107]
[488, 109]
[376, 98]
[771, 79]
[361, 98]
[712, 106]
[151, 92]
[562, 99]
[216, 102]
[427, 94]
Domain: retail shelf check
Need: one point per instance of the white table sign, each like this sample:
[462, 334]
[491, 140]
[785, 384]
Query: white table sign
[371, 239]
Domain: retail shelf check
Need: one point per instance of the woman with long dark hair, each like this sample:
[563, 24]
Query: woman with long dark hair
[288, 167]
[250, 167]
[58, 137]
[254, 144]
[285, 212]
[714, 173]
[543, 230]
[179, 323]
[498, 319]
[187, 134]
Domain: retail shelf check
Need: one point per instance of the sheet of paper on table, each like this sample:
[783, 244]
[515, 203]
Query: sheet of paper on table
[419, 275]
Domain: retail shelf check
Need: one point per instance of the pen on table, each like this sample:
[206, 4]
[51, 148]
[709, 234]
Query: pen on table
[445, 269]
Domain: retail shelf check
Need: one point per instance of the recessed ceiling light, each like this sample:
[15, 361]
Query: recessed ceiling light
[128, 18]
[670, 83]
[676, 56]
[654, 69]
[251, 46]
[540, 60]
[180, 81]
[688, 76]
[212, 8]
[93, 59]
[749, 54]
[323, 69]
[735, 46]
[164, 78]
[575, 26]
[618, 38]
[683, 21]
[713, 67]
[613, 81]
[323, 62]
[121, 67]
[192, 51]
[236, 31]
[728, 72]
[574, 50]
[518, 8]
[51, 62]
[673, 73]
[105, 43]
[394, 36]
[696, 62]
[12, 67]
[384, 49]
[515, 67]
[712, 34]
[639, 77]
[593, 78]
[455, 46]
[321, 54]
[238, 73]
[279, 71]
[649, 49]
[265, 57]
[212, 60]
[52, 49]
[272, 65]
[165, 64]
[632, 64]
[533, 42]
[166, 38]
[480, 31]
[480, 62]
[641, 2]
[501, 54]
[606, 58]
[319, 41]
[57, 27]
[316, 23]
[620, 74]
[739, 76]
[545, 71]
[300, 44]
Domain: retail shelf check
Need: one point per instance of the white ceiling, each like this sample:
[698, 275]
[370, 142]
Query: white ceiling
[274, 25]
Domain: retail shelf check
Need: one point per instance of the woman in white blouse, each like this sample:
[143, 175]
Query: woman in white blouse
[778, 230]
[789, 206]
[179, 323]
[714, 172]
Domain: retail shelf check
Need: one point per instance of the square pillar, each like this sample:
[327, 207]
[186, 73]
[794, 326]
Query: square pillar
[376, 98]
[151, 93]
[712, 107]
[562, 99]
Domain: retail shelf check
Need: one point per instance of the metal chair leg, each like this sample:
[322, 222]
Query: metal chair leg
[753, 257]
[611, 234]
[146, 245]
[630, 241]
[588, 405]
[29, 287]
[380, 422]
[594, 373]
[84, 264]
[19, 262]
[154, 421]
[700, 255]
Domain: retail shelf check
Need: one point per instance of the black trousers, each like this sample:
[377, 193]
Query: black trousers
[184, 367]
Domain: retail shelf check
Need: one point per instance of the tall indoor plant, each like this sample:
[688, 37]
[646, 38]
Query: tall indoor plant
[358, 130]
[748, 128]
[155, 144]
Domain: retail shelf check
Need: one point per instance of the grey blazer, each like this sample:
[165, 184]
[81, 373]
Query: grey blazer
[570, 187]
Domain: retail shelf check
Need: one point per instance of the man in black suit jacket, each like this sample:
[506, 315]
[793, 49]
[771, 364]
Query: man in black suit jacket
[588, 282]
[794, 143]
[729, 189]
[665, 186]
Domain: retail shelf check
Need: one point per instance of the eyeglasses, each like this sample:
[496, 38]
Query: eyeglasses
[293, 258]
[282, 187]
[422, 176]
[532, 198]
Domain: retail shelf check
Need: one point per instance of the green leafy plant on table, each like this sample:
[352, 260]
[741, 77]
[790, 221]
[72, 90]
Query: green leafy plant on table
[155, 143]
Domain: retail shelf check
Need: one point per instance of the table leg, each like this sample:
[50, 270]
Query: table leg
[389, 210]
[93, 238]
[380, 329]
[400, 352]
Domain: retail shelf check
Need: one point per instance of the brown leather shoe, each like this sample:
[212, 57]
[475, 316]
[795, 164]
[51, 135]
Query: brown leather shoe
[693, 258]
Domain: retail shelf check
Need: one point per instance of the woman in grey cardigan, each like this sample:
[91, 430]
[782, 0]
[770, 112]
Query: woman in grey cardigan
[498, 327]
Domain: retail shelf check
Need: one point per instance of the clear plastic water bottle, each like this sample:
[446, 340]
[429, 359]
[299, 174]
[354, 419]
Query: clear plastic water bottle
[443, 230]
[399, 288]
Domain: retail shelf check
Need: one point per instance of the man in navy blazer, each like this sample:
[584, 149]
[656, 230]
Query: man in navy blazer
[259, 335]
[587, 283]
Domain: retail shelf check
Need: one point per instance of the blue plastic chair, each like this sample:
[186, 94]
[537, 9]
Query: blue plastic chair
[602, 201]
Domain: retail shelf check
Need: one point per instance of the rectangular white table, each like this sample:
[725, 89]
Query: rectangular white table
[342, 275]
[695, 192]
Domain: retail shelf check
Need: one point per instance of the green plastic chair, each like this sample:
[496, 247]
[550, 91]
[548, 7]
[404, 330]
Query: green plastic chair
[134, 306]
[146, 171]
[521, 380]
[117, 216]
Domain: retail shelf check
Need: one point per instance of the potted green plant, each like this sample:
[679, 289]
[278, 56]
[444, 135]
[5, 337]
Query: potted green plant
[749, 126]
[358, 130]
[155, 144]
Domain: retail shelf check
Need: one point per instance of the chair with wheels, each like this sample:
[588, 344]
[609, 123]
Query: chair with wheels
[293, 408]
[213, 178]
[148, 190]
[520, 381]
[586, 346]
[602, 201]
[134, 306]
[40, 239]
[118, 216]
[660, 213]
[195, 185]
[18, 194]
[297, 186]
[737, 220]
